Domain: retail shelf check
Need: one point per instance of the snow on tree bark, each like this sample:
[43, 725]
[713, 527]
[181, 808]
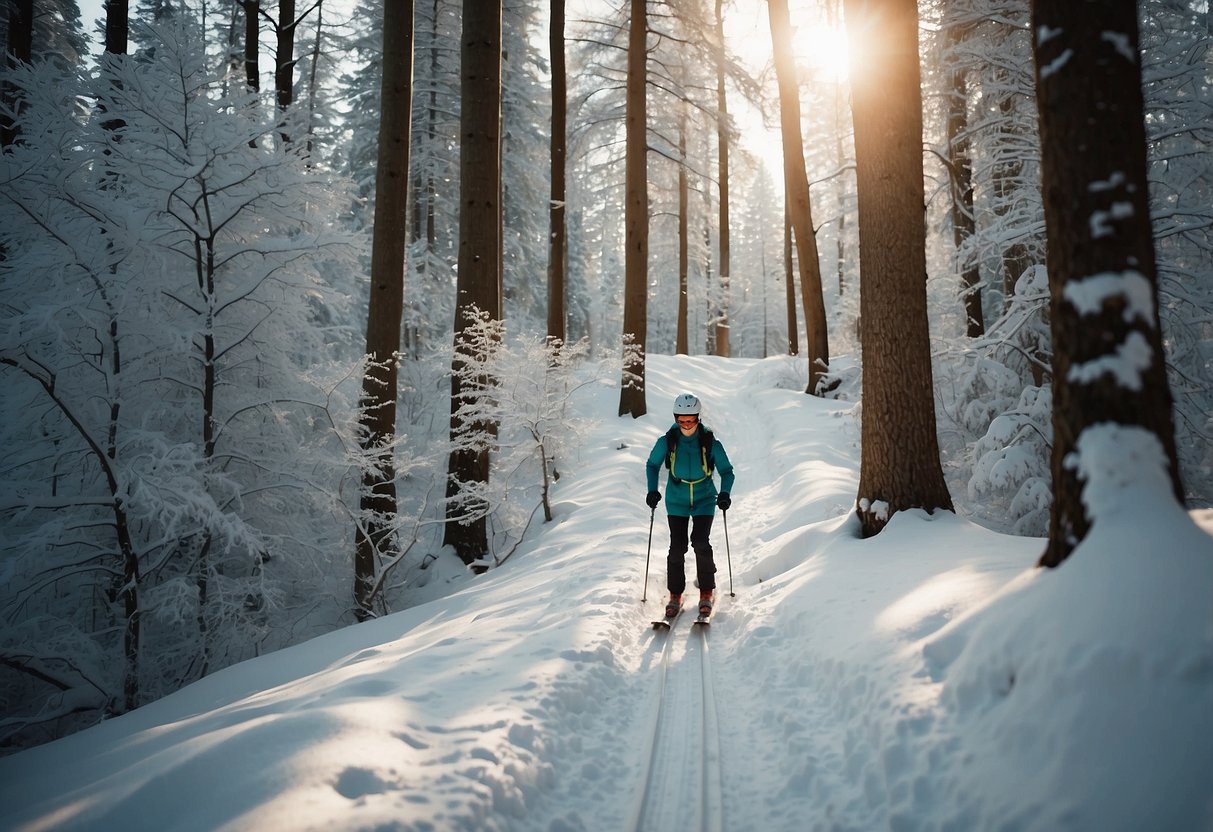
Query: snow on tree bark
[1108, 361]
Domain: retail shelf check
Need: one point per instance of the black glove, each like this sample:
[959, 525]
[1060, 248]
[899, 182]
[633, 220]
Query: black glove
[653, 498]
[723, 501]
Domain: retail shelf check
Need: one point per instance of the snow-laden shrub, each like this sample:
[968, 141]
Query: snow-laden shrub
[170, 437]
[1003, 402]
[1012, 458]
[515, 403]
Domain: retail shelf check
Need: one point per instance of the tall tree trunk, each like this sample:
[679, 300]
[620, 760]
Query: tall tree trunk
[479, 281]
[960, 169]
[284, 58]
[899, 458]
[789, 276]
[117, 30]
[681, 346]
[208, 289]
[722, 164]
[117, 26]
[20, 51]
[379, 384]
[1108, 360]
[796, 182]
[636, 218]
[252, 50]
[557, 214]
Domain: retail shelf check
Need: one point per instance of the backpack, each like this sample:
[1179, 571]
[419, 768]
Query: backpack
[707, 443]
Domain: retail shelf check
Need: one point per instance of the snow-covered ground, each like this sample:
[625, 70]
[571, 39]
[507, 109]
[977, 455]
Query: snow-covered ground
[928, 678]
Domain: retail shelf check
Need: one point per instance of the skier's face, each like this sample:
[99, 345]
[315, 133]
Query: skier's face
[687, 424]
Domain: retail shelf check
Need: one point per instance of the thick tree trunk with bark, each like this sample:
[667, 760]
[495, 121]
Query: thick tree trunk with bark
[556, 251]
[252, 47]
[899, 465]
[117, 31]
[117, 26]
[1108, 360]
[636, 218]
[284, 57]
[379, 385]
[479, 282]
[796, 184]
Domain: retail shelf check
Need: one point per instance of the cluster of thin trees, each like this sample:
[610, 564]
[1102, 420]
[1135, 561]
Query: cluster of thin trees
[208, 412]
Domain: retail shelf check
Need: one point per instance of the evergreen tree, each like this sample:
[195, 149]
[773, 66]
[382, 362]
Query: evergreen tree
[479, 286]
[899, 466]
[1108, 362]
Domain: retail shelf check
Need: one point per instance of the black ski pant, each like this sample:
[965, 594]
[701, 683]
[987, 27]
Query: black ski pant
[705, 567]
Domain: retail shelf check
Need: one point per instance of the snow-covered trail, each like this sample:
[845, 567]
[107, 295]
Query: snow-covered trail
[680, 766]
[524, 700]
[702, 773]
[536, 697]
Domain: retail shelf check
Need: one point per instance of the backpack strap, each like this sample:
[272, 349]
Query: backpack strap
[707, 442]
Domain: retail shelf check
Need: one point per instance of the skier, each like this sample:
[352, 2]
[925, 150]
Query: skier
[690, 452]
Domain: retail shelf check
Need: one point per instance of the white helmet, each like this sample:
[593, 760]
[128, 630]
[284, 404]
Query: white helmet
[686, 405]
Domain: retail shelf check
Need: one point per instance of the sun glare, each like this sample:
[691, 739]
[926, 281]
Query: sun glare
[822, 49]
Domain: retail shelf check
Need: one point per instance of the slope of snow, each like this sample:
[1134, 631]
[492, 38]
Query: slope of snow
[928, 678]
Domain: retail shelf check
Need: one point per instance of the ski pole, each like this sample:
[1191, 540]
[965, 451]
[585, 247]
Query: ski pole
[644, 596]
[725, 515]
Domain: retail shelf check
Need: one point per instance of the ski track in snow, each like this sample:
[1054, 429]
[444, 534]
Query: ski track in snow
[538, 698]
[705, 740]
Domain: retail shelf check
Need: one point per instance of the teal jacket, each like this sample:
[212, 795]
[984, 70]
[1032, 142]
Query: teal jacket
[691, 492]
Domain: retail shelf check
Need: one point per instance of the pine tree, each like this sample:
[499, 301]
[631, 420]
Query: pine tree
[899, 465]
[386, 305]
[479, 284]
[1108, 361]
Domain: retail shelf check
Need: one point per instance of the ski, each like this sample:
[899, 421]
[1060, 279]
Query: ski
[704, 620]
[663, 624]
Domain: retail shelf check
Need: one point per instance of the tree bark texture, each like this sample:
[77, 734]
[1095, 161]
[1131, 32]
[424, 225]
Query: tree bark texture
[284, 56]
[899, 465]
[479, 281]
[557, 322]
[379, 384]
[796, 183]
[789, 276]
[1097, 221]
[636, 216]
[252, 47]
